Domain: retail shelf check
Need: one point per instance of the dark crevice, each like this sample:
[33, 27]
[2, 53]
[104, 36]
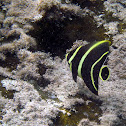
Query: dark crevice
[57, 31]
[7, 93]
[9, 38]
[42, 82]
[10, 62]
[121, 121]
[12, 37]
[37, 81]
[19, 107]
[57, 36]
[114, 47]
[50, 37]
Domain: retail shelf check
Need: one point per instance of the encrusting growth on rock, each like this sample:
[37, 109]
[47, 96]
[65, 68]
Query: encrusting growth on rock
[34, 37]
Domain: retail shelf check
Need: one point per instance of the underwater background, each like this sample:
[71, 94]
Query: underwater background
[36, 85]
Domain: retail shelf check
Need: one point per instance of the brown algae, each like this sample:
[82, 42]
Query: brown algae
[90, 110]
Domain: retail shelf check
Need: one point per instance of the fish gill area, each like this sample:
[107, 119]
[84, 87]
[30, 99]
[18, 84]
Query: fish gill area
[36, 85]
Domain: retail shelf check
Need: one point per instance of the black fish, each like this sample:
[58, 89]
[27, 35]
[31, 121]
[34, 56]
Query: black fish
[86, 62]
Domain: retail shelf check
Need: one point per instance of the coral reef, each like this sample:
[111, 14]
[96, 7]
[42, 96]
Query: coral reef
[36, 84]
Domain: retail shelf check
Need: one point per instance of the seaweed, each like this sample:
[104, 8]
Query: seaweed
[89, 110]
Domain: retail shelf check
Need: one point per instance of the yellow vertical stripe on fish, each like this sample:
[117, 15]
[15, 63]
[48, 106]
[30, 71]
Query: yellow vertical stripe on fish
[74, 54]
[85, 55]
[92, 68]
[101, 73]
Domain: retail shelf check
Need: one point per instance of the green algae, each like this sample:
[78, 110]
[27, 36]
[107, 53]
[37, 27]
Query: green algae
[90, 109]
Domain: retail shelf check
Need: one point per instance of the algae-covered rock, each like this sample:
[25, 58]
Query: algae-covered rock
[34, 37]
[27, 105]
[117, 8]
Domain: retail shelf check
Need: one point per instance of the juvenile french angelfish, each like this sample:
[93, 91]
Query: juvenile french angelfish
[86, 62]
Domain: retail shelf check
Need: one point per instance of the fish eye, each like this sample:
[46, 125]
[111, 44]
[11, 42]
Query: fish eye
[104, 73]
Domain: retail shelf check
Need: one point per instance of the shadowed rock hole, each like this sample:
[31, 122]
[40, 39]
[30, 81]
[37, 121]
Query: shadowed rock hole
[121, 121]
[19, 107]
[55, 36]
[38, 82]
[10, 62]
[114, 47]
[42, 82]
[12, 37]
